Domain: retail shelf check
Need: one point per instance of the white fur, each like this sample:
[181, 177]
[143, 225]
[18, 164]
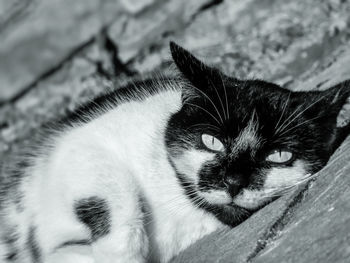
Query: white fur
[246, 138]
[216, 196]
[191, 161]
[276, 180]
[119, 157]
[287, 176]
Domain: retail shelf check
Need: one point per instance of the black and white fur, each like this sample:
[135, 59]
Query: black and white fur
[130, 177]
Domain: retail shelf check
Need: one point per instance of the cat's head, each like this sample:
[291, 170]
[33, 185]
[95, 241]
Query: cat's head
[242, 143]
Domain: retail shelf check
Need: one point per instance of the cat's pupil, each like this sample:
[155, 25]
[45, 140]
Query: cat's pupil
[212, 143]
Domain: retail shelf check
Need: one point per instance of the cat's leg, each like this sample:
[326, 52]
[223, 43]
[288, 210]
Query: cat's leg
[60, 237]
[72, 254]
[126, 240]
[84, 193]
[104, 209]
[116, 222]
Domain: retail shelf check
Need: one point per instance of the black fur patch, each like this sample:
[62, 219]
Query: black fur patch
[33, 247]
[13, 252]
[95, 214]
[12, 256]
[303, 123]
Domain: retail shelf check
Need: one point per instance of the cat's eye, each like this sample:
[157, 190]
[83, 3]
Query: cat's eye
[212, 143]
[280, 157]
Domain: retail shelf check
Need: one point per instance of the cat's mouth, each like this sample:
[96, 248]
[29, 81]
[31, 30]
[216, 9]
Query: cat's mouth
[252, 199]
[247, 199]
[223, 199]
[216, 197]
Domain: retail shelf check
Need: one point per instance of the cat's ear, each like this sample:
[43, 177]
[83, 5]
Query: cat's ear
[335, 104]
[199, 74]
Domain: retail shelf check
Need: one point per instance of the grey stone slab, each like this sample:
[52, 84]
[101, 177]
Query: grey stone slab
[72, 85]
[12, 11]
[320, 227]
[149, 27]
[235, 245]
[274, 40]
[335, 72]
[49, 33]
[136, 6]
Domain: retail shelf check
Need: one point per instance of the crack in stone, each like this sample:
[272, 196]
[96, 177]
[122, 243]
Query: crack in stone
[109, 46]
[202, 9]
[169, 33]
[48, 73]
[273, 232]
[112, 51]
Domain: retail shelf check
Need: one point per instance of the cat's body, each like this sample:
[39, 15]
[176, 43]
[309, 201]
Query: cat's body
[103, 160]
[135, 177]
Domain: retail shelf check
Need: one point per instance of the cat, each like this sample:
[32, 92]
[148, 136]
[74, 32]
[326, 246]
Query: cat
[141, 173]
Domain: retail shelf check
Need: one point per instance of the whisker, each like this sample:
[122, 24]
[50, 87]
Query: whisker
[283, 110]
[286, 189]
[312, 104]
[205, 124]
[219, 97]
[296, 126]
[225, 92]
[286, 121]
[204, 110]
[211, 101]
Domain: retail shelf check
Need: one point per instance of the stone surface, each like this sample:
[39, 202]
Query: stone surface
[237, 244]
[319, 229]
[135, 6]
[74, 84]
[148, 28]
[274, 40]
[46, 36]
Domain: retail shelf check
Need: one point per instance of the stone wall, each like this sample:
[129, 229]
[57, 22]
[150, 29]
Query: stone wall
[54, 55]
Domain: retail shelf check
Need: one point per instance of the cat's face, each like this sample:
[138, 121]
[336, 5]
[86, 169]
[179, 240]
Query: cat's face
[242, 143]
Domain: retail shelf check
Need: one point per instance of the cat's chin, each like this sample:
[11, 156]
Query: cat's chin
[252, 199]
[216, 197]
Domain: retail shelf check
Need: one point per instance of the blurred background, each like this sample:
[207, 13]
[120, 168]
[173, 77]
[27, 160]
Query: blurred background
[56, 54]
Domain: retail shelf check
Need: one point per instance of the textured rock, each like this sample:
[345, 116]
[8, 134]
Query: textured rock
[148, 28]
[237, 244]
[74, 84]
[47, 35]
[319, 228]
[274, 40]
[135, 6]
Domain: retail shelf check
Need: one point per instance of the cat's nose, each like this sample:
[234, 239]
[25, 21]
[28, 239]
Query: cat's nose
[234, 184]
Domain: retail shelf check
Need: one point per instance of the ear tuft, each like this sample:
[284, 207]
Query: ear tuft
[194, 70]
[339, 96]
[340, 102]
[187, 63]
[174, 49]
[343, 117]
